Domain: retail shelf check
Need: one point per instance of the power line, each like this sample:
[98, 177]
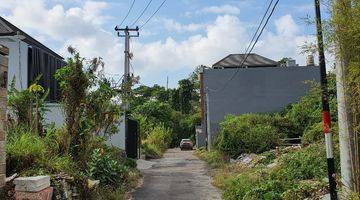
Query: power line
[153, 14]
[142, 13]
[252, 47]
[258, 28]
[127, 14]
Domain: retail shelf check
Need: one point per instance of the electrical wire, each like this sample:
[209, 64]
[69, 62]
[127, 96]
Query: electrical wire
[127, 14]
[152, 14]
[258, 28]
[252, 47]
[142, 13]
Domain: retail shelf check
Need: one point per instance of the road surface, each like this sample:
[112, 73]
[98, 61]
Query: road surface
[180, 175]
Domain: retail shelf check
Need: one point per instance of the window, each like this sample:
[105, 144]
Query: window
[42, 63]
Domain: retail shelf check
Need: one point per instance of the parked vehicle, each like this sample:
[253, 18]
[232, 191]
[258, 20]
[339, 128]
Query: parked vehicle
[186, 144]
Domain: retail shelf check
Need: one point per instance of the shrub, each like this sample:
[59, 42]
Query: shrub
[151, 151]
[23, 151]
[108, 170]
[157, 141]
[213, 158]
[313, 134]
[57, 140]
[307, 189]
[307, 163]
[238, 186]
[249, 133]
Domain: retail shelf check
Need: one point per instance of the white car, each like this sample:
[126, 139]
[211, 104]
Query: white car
[186, 144]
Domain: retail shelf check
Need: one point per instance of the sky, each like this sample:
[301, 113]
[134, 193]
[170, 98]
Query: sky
[182, 35]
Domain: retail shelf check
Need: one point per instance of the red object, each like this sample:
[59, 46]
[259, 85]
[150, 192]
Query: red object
[45, 194]
[326, 121]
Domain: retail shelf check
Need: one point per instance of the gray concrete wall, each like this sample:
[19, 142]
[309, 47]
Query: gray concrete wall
[254, 90]
[118, 139]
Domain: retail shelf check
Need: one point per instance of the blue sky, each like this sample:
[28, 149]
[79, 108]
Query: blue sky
[181, 36]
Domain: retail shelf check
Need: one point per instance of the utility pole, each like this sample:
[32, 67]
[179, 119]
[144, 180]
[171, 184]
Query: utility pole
[325, 106]
[346, 132]
[127, 35]
[167, 82]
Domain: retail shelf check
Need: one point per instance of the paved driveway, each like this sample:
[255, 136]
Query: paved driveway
[179, 175]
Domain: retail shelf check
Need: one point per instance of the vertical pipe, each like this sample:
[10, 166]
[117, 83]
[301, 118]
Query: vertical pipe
[325, 105]
[208, 122]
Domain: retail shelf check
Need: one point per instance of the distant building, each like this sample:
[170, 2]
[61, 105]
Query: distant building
[259, 86]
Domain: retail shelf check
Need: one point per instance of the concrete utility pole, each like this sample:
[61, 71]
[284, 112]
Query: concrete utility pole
[345, 129]
[127, 53]
[325, 106]
[346, 134]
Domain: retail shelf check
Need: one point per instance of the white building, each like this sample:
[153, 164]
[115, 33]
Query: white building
[27, 59]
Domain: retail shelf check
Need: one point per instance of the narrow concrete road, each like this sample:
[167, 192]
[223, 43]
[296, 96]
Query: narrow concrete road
[179, 175]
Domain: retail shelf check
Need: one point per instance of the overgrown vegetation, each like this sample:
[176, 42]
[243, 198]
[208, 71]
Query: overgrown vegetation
[248, 133]
[77, 150]
[166, 115]
[274, 172]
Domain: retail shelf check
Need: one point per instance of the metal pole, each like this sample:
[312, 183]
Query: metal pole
[325, 106]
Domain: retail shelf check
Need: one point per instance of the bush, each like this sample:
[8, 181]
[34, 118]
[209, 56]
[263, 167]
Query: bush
[308, 189]
[213, 158]
[307, 163]
[151, 151]
[57, 140]
[157, 141]
[105, 168]
[238, 186]
[249, 133]
[313, 134]
[23, 151]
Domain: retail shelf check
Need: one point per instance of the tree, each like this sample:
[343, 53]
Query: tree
[186, 89]
[284, 61]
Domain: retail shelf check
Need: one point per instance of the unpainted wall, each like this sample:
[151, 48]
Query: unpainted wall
[254, 90]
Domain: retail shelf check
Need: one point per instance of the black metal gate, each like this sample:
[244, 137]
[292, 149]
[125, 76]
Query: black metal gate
[132, 138]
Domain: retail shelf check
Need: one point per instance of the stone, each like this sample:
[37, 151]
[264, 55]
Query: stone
[271, 165]
[45, 194]
[32, 184]
[91, 184]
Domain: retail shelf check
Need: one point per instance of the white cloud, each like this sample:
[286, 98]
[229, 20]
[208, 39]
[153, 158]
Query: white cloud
[225, 35]
[170, 24]
[224, 9]
[82, 27]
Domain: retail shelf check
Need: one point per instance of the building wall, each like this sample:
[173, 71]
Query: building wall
[118, 139]
[17, 62]
[254, 90]
[3, 108]
[18, 70]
